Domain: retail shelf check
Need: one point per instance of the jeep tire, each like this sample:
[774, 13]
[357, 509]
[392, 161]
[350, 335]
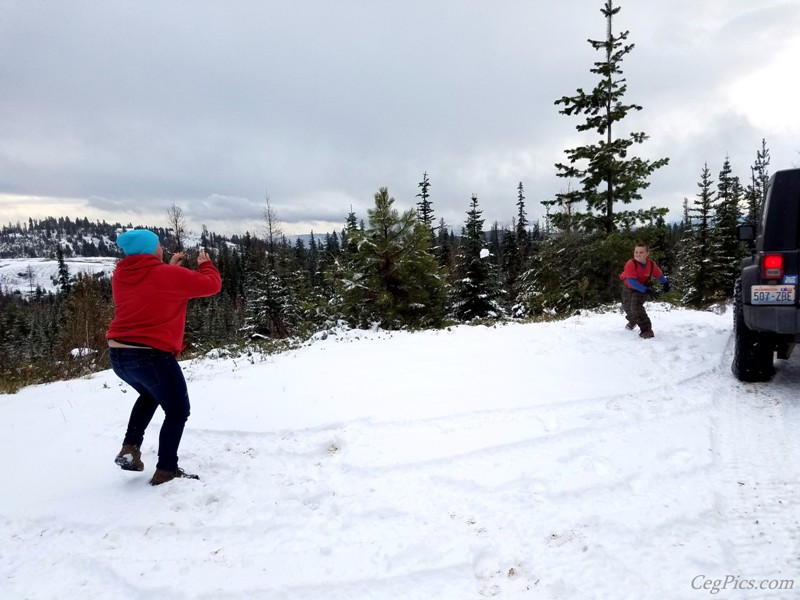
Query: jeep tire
[753, 351]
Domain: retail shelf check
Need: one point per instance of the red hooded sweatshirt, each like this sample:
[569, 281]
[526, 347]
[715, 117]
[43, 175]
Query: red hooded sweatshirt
[150, 300]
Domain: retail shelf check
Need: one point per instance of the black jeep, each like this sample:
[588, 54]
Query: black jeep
[766, 312]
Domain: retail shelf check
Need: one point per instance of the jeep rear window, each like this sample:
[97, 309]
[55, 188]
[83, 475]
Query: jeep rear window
[781, 223]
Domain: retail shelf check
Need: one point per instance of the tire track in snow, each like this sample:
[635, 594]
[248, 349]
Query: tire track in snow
[757, 433]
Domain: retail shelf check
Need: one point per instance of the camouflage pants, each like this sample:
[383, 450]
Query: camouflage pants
[633, 305]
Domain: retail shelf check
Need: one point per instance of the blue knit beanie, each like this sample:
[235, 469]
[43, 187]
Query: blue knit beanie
[138, 241]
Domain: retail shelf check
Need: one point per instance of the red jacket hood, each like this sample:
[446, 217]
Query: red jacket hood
[132, 270]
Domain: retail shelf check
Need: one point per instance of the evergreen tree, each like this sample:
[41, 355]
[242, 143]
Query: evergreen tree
[522, 236]
[63, 272]
[272, 305]
[300, 257]
[349, 236]
[553, 279]
[444, 248]
[759, 177]
[273, 308]
[728, 217]
[248, 264]
[509, 256]
[496, 256]
[516, 250]
[332, 246]
[511, 269]
[701, 271]
[607, 172]
[570, 271]
[425, 207]
[312, 262]
[392, 278]
[475, 290]
[229, 265]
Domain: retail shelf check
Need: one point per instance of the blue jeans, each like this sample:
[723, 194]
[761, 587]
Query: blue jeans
[158, 378]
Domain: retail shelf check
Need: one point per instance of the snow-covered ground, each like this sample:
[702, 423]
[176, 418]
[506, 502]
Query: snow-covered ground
[561, 460]
[25, 274]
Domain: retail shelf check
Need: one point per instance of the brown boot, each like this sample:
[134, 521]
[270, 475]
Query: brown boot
[646, 334]
[161, 476]
[130, 458]
[630, 325]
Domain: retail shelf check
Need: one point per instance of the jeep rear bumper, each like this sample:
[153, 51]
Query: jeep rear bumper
[776, 319]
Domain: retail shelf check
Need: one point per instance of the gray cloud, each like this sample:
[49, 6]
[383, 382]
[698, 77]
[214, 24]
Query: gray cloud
[133, 105]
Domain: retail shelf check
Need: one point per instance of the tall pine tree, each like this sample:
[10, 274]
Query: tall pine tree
[475, 290]
[607, 171]
[425, 206]
[522, 235]
[728, 217]
[759, 176]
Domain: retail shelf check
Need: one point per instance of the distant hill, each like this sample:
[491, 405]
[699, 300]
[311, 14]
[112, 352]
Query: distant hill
[29, 250]
[43, 239]
[84, 238]
[25, 275]
[79, 238]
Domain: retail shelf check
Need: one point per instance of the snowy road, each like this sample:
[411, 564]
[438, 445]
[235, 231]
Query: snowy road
[562, 460]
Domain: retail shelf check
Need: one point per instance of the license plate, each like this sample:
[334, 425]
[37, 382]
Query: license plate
[772, 294]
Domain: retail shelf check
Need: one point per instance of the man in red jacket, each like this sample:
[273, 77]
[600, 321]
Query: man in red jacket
[146, 336]
[636, 289]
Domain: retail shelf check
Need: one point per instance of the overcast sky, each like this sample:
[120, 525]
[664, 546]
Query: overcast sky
[115, 109]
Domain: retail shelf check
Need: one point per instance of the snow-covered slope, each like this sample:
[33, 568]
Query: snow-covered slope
[562, 460]
[24, 275]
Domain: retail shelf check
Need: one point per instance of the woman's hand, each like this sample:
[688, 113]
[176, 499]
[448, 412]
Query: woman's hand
[202, 257]
[176, 259]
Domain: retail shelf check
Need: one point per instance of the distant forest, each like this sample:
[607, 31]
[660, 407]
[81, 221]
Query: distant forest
[396, 269]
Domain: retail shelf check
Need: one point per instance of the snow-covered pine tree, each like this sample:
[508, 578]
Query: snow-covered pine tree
[728, 217]
[392, 279]
[516, 250]
[701, 272]
[475, 291]
[511, 268]
[273, 308]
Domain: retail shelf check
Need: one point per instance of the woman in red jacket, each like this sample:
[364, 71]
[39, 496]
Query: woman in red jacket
[145, 337]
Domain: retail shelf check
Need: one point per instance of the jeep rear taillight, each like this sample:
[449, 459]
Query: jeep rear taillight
[772, 266]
